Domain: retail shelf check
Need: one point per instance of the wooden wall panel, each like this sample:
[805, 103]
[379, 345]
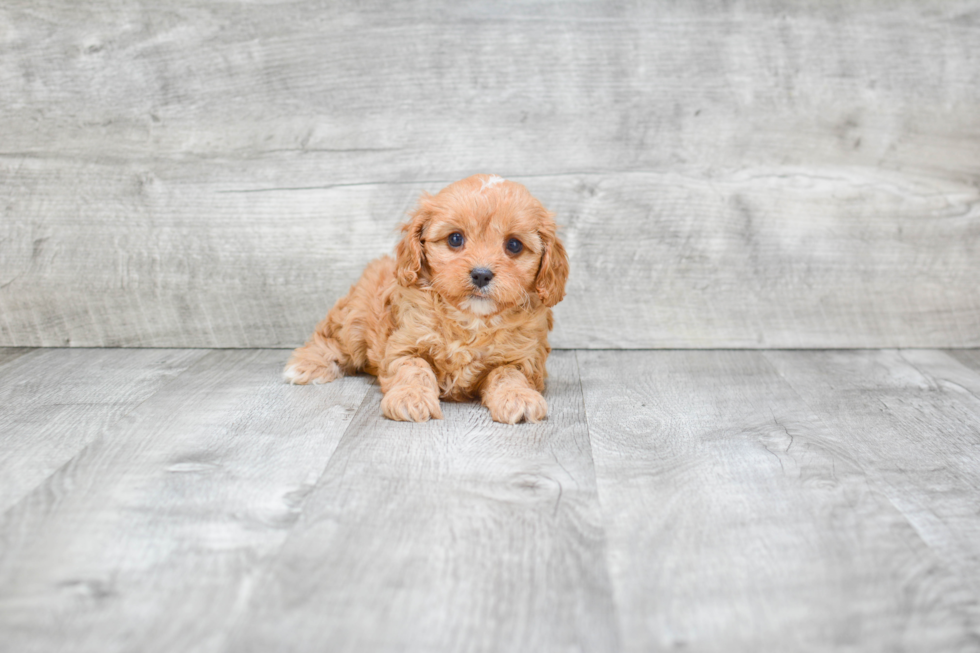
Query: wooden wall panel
[798, 174]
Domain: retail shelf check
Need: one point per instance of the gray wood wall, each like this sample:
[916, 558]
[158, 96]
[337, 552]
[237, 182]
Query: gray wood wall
[728, 174]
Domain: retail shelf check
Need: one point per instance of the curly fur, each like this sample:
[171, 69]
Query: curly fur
[420, 324]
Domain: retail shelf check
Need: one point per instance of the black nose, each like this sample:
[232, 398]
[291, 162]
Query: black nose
[481, 277]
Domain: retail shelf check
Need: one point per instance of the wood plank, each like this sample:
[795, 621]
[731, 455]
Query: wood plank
[458, 534]
[737, 520]
[730, 176]
[768, 258]
[967, 357]
[375, 86]
[764, 258]
[915, 427]
[150, 538]
[54, 402]
[8, 354]
[957, 371]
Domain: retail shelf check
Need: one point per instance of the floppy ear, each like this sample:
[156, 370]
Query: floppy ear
[553, 272]
[409, 257]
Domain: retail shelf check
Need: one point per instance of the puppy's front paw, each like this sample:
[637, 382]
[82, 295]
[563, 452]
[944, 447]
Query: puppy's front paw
[511, 404]
[410, 403]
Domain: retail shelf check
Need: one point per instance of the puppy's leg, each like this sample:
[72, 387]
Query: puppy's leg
[321, 360]
[411, 391]
[509, 396]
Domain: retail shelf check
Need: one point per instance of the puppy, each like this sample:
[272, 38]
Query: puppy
[462, 311]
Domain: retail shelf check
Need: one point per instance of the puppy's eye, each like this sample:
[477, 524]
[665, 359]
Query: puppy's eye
[455, 240]
[515, 246]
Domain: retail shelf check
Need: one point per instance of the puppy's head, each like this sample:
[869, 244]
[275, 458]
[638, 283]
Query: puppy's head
[485, 244]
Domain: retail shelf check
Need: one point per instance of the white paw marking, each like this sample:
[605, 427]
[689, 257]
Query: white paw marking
[295, 375]
[291, 374]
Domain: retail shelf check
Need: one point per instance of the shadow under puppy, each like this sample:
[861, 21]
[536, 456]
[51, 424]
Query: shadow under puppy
[462, 311]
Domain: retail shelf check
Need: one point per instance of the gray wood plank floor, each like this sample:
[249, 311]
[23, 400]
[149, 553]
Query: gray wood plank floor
[188, 500]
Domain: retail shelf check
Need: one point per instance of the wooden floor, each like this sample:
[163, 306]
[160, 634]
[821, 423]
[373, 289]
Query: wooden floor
[188, 500]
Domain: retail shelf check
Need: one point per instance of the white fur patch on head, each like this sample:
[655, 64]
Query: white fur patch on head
[479, 306]
[492, 180]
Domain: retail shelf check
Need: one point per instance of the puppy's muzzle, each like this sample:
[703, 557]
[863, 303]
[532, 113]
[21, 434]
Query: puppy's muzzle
[481, 277]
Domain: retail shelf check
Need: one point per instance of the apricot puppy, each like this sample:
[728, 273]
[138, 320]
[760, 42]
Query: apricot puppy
[462, 311]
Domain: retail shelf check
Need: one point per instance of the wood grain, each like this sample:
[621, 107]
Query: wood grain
[53, 403]
[8, 354]
[918, 417]
[738, 519]
[150, 538]
[729, 175]
[452, 535]
[967, 357]
[738, 501]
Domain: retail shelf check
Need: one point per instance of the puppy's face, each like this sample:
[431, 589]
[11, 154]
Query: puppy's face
[484, 244]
